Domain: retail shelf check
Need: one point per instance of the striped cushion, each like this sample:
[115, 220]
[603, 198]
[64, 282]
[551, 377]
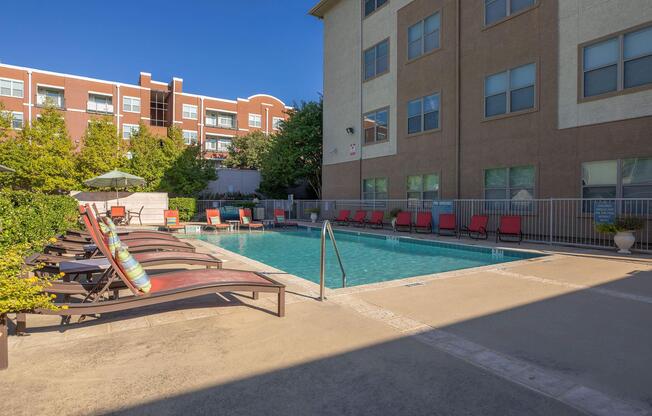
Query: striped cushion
[111, 238]
[280, 218]
[216, 220]
[111, 224]
[246, 220]
[133, 270]
[171, 221]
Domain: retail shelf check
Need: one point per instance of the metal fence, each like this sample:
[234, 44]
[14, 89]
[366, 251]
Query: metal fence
[563, 221]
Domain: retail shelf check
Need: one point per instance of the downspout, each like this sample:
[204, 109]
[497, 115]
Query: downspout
[29, 98]
[360, 78]
[117, 118]
[458, 155]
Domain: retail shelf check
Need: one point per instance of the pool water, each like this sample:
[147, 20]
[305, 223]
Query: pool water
[367, 258]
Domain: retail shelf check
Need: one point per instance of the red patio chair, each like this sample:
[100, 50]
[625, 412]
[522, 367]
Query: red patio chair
[376, 220]
[510, 225]
[343, 217]
[424, 222]
[281, 221]
[359, 219]
[247, 220]
[403, 220]
[214, 219]
[171, 220]
[118, 214]
[448, 223]
[477, 229]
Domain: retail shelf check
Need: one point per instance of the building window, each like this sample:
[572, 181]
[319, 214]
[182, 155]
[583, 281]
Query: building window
[100, 104]
[255, 120]
[49, 96]
[423, 114]
[226, 121]
[223, 144]
[276, 123]
[606, 69]
[423, 37]
[423, 187]
[496, 10]
[514, 183]
[158, 108]
[376, 60]
[190, 112]
[374, 188]
[510, 91]
[626, 178]
[131, 104]
[128, 130]
[211, 143]
[11, 88]
[16, 119]
[376, 126]
[371, 6]
[189, 137]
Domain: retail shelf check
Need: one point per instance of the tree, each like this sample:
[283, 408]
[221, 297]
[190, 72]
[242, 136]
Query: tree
[5, 121]
[103, 149]
[189, 174]
[42, 155]
[246, 152]
[295, 153]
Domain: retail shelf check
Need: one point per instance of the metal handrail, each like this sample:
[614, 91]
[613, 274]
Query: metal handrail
[326, 227]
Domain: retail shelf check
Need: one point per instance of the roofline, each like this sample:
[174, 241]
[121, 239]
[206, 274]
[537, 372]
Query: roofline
[320, 9]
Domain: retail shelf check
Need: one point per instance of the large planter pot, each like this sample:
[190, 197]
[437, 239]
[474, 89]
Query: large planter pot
[313, 217]
[624, 240]
[394, 223]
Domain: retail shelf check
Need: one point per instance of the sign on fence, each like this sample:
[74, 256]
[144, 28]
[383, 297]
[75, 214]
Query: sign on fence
[604, 212]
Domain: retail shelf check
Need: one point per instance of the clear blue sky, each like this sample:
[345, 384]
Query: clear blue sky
[224, 48]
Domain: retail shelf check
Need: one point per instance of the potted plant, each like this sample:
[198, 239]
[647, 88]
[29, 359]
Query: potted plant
[314, 213]
[393, 214]
[623, 229]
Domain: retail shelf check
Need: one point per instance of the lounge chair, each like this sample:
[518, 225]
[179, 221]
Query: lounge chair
[171, 220]
[510, 226]
[477, 230]
[343, 217]
[214, 220]
[246, 220]
[403, 220]
[281, 221]
[118, 214]
[447, 223]
[424, 222]
[359, 219]
[376, 220]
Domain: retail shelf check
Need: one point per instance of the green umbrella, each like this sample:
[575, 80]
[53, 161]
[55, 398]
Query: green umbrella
[117, 180]
[6, 169]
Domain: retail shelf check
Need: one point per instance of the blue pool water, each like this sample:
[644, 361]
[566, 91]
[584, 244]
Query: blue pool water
[367, 258]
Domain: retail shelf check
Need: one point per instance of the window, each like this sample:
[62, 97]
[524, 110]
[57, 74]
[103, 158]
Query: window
[16, 119]
[424, 36]
[189, 137]
[226, 121]
[131, 104]
[514, 183]
[423, 114]
[159, 102]
[255, 120]
[495, 10]
[606, 70]
[276, 122]
[223, 144]
[510, 91]
[376, 60]
[49, 96]
[371, 6]
[128, 130]
[602, 180]
[374, 188]
[11, 88]
[100, 104]
[211, 143]
[423, 187]
[190, 111]
[376, 126]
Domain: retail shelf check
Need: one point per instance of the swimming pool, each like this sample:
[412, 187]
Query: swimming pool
[367, 258]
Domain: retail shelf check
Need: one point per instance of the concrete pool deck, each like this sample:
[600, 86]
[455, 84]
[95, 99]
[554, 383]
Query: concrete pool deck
[566, 334]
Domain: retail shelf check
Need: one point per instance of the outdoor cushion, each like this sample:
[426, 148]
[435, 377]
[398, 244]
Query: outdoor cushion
[133, 270]
[246, 220]
[111, 224]
[112, 239]
[170, 220]
[216, 220]
[280, 218]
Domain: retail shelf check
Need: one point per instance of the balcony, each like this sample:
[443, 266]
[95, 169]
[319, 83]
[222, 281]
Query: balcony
[101, 108]
[54, 100]
[220, 121]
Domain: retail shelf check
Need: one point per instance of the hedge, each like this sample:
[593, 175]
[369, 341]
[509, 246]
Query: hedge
[187, 208]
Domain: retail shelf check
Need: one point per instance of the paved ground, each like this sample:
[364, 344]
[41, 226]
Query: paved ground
[566, 335]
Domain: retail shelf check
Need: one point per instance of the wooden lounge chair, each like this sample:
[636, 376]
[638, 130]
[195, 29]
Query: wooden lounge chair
[376, 220]
[343, 217]
[281, 221]
[359, 219]
[424, 222]
[246, 220]
[510, 226]
[447, 223]
[214, 220]
[403, 221]
[171, 220]
[477, 230]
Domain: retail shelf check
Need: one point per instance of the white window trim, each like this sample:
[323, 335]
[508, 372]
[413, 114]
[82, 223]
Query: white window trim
[191, 131]
[183, 112]
[13, 115]
[274, 122]
[260, 117]
[130, 126]
[12, 88]
[131, 98]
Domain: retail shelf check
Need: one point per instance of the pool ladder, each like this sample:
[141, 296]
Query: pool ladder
[327, 228]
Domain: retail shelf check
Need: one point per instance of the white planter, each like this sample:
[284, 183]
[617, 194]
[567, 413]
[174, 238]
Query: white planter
[394, 223]
[624, 240]
[313, 217]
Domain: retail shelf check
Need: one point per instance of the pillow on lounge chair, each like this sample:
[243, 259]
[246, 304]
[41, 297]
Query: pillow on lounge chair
[111, 224]
[280, 218]
[171, 221]
[133, 270]
[112, 239]
[246, 220]
[216, 220]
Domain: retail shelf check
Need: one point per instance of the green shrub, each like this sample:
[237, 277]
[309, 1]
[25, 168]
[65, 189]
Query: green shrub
[394, 213]
[247, 204]
[314, 210]
[187, 208]
[621, 224]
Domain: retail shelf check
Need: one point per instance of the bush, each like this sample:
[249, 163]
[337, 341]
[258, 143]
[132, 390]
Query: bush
[187, 208]
[621, 224]
[394, 213]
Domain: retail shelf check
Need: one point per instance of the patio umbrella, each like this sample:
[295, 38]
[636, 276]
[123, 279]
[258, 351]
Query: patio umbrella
[6, 169]
[117, 180]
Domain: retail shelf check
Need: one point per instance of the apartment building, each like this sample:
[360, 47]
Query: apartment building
[210, 122]
[504, 99]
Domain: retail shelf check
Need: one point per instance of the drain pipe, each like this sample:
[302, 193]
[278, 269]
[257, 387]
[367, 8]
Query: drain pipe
[458, 150]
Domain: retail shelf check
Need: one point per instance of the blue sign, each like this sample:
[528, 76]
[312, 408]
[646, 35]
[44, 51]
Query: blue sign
[604, 212]
[440, 207]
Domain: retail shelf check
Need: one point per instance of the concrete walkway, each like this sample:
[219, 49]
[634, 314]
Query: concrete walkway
[568, 334]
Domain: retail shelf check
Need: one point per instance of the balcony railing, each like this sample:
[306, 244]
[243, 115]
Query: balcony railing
[221, 125]
[43, 100]
[103, 108]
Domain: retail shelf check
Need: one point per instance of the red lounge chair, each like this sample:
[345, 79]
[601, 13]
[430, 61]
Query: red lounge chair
[217, 224]
[171, 220]
[448, 223]
[477, 229]
[359, 219]
[376, 220]
[246, 220]
[403, 220]
[343, 217]
[424, 222]
[278, 213]
[510, 225]
[118, 214]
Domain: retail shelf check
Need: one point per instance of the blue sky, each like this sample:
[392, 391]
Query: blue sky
[224, 48]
